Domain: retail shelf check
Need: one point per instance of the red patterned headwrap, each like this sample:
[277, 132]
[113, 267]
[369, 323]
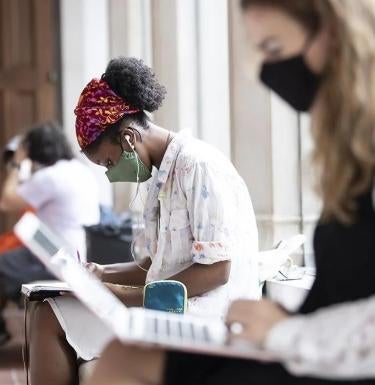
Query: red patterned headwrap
[98, 107]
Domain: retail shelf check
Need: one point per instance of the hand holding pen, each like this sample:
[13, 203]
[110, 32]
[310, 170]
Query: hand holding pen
[94, 268]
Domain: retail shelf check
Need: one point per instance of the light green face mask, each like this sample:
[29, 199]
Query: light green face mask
[129, 168]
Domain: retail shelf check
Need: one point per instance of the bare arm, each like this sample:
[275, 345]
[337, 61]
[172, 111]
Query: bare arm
[198, 279]
[126, 273]
[10, 200]
[130, 296]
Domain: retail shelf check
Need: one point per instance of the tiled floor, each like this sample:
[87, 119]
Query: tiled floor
[11, 364]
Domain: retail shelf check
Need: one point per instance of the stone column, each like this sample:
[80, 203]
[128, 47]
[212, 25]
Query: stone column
[129, 35]
[84, 53]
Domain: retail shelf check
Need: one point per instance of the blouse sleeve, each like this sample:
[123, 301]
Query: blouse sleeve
[206, 210]
[37, 190]
[334, 342]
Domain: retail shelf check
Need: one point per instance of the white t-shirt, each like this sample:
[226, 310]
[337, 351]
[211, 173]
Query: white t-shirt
[65, 197]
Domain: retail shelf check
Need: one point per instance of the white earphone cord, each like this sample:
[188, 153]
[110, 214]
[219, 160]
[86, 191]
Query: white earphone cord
[132, 246]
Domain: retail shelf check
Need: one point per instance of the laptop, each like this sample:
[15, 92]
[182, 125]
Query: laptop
[136, 326]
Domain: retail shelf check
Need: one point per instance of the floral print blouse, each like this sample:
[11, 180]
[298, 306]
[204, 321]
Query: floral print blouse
[334, 342]
[198, 210]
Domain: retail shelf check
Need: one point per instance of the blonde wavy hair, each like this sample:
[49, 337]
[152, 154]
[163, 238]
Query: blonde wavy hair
[343, 126]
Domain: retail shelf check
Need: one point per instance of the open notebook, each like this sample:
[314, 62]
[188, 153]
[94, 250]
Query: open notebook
[39, 290]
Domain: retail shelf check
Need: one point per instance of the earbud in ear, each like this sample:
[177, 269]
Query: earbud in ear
[127, 138]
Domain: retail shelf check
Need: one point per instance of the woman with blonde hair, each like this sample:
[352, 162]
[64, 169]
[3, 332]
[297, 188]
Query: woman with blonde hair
[319, 56]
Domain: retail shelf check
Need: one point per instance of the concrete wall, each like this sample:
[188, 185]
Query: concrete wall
[84, 52]
[198, 50]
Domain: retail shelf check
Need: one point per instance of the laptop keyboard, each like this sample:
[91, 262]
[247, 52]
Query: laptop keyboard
[177, 328]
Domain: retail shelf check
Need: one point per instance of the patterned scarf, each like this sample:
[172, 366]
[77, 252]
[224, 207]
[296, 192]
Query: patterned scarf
[98, 107]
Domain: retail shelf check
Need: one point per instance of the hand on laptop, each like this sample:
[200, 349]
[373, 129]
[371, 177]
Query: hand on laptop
[96, 269]
[252, 320]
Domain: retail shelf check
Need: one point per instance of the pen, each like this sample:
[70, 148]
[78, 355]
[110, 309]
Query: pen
[78, 256]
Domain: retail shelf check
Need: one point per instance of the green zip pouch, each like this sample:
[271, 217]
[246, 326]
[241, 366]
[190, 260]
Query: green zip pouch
[168, 296]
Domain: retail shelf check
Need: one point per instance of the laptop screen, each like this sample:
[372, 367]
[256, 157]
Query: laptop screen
[45, 243]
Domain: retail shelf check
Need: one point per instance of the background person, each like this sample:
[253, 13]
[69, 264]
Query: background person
[8, 240]
[319, 56]
[62, 191]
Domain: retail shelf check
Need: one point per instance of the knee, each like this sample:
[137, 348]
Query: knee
[116, 351]
[122, 357]
[130, 361]
[43, 319]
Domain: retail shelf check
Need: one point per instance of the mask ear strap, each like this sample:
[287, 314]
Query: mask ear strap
[127, 138]
[137, 131]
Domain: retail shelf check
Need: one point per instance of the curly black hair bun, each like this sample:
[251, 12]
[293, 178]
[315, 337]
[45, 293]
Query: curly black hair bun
[135, 82]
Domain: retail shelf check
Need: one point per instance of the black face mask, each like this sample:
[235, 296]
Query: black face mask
[292, 80]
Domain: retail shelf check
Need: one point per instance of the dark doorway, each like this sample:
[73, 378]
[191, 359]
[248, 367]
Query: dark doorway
[29, 69]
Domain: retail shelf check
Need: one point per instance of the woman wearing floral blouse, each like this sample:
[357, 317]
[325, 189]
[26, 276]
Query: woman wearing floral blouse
[200, 226]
